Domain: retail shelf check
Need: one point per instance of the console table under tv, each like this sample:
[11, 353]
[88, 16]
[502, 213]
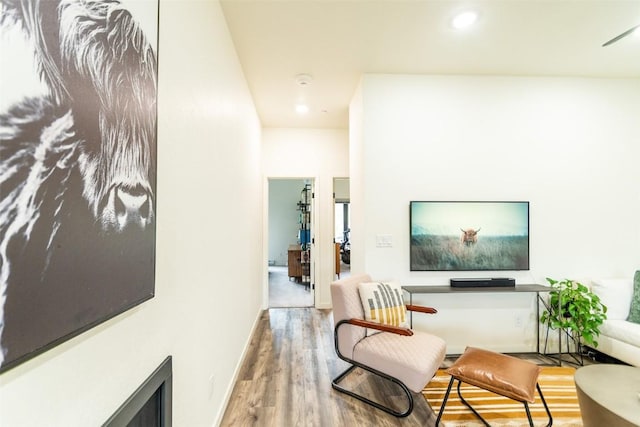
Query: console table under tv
[537, 289]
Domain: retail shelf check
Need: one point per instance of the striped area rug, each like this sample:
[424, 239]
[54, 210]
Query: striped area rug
[557, 386]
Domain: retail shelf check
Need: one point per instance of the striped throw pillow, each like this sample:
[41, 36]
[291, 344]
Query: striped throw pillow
[383, 303]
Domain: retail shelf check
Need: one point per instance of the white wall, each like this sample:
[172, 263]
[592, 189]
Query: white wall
[567, 145]
[284, 221]
[322, 154]
[357, 204]
[208, 277]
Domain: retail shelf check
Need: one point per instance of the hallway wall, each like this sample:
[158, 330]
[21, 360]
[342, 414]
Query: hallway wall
[321, 154]
[207, 274]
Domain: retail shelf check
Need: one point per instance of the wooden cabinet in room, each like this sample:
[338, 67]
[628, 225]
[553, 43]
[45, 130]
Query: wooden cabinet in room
[295, 264]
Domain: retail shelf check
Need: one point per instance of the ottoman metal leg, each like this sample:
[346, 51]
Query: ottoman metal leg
[546, 408]
[444, 402]
[468, 405]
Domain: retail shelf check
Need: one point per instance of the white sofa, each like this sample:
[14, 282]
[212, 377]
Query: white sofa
[618, 338]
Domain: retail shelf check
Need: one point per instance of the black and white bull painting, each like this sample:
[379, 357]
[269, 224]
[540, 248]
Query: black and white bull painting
[77, 170]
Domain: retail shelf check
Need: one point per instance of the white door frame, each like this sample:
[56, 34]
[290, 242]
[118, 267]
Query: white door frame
[265, 241]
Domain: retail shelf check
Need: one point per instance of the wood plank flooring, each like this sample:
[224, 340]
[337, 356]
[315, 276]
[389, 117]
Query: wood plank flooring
[286, 379]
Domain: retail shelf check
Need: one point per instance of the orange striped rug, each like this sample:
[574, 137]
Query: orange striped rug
[557, 386]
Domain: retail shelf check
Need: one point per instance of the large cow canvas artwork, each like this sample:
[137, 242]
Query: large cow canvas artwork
[78, 82]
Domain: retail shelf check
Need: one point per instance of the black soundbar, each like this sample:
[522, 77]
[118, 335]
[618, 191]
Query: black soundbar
[495, 282]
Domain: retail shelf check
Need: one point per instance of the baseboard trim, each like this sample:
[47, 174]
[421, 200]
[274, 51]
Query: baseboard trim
[236, 372]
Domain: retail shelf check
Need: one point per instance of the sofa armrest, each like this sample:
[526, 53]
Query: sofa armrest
[615, 294]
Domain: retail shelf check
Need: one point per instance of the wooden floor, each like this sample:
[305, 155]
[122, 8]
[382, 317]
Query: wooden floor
[286, 379]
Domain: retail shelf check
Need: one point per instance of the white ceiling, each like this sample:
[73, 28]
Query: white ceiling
[337, 41]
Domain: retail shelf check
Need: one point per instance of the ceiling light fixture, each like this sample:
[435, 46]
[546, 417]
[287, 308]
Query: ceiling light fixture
[304, 79]
[302, 108]
[464, 20]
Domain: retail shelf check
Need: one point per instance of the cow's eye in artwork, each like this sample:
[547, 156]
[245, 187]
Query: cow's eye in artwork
[77, 167]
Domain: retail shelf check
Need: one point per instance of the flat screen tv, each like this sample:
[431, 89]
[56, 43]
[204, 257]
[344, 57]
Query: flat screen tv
[469, 236]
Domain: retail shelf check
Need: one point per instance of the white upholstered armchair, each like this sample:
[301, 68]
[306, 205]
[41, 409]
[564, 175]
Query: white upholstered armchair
[378, 339]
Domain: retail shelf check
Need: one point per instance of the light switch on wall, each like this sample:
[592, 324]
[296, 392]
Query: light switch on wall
[384, 241]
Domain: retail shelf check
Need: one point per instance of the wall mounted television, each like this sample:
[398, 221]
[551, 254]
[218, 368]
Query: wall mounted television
[469, 235]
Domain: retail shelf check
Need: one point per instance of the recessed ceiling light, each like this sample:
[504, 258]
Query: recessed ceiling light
[464, 20]
[302, 108]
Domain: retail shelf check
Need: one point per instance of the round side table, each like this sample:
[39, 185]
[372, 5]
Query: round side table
[609, 395]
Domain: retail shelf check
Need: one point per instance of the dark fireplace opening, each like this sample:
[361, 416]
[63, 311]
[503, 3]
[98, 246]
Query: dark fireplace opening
[150, 404]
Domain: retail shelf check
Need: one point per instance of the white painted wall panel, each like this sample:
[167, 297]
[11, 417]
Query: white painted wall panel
[567, 145]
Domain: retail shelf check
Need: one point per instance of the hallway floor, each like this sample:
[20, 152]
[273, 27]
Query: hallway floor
[285, 379]
[285, 292]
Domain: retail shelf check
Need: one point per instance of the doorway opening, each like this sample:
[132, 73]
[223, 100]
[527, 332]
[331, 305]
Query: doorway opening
[342, 227]
[290, 234]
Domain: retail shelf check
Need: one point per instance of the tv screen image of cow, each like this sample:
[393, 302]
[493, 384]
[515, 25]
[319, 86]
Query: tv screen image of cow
[77, 167]
[469, 235]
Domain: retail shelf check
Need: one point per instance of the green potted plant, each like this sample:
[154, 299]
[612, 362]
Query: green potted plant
[575, 309]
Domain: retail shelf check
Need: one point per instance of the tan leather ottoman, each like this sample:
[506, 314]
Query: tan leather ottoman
[505, 375]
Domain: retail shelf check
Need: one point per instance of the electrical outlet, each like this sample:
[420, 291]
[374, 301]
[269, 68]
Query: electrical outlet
[384, 241]
[518, 321]
[212, 382]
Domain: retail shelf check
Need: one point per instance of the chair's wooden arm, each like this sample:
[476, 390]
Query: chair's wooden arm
[421, 309]
[381, 327]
